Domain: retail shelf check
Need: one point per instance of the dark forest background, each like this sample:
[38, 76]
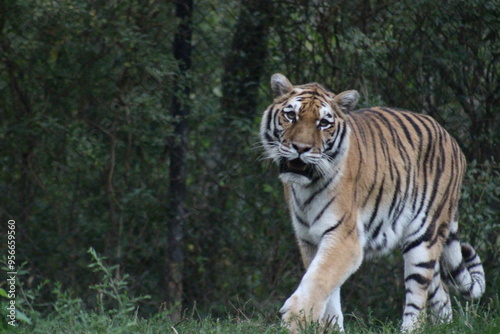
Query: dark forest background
[132, 127]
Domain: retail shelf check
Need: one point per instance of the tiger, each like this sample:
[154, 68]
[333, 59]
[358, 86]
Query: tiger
[358, 184]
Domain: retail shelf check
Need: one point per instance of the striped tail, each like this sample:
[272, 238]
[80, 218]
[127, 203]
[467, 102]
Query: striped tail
[462, 268]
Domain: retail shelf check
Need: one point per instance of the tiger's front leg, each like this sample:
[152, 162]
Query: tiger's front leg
[339, 254]
[333, 312]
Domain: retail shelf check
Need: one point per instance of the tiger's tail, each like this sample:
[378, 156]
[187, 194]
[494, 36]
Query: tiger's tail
[462, 267]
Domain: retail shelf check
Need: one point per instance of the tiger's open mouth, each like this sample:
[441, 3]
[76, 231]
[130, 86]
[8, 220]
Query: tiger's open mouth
[296, 166]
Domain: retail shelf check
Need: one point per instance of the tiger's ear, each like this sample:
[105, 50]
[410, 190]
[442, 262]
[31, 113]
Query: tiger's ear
[347, 100]
[280, 84]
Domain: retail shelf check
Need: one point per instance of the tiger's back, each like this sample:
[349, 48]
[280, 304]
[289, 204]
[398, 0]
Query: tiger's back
[359, 183]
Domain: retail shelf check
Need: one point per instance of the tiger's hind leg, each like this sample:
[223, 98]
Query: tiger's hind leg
[419, 262]
[439, 299]
[333, 313]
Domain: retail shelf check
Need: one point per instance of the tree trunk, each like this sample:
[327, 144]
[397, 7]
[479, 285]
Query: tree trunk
[243, 70]
[246, 58]
[178, 168]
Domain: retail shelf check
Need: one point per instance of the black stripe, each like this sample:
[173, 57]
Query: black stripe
[383, 244]
[307, 242]
[467, 292]
[467, 252]
[381, 138]
[429, 233]
[476, 273]
[410, 118]
[430, 146]
[374, 148]
[433, 304]
[316, 193]
[352, 230]
[276, 123]
[470, 258]
[333, 155]
[409, 173]
[300, 220]
[437, 212]
[295, 200]
[434, 192]
[377, 203]
[269, 117]
[372, 188]
[399, 212]
[445, 198]
[458, 270]
[268, 137]
[340, 136]
[357, 124]
[433, 293]
[427, 265]
[356, 131]
[403, 126]
[323, 210]
[479, 281]
[395, 196]
[376, 231]
[418, 278]
[392, 130]
[414, 306]
[276, 134]
[375, 157]
[474, 266]
[313, 182]
[328, 230]
[396, 140]
[453, 236]
[443, 306]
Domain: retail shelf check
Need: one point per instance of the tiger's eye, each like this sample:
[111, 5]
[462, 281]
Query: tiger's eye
[324, 123]
[290, 115]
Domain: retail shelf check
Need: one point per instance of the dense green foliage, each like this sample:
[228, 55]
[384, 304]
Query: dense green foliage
[86, 134]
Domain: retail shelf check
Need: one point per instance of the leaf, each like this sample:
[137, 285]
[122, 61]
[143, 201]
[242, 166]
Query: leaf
[22, 317]
[217, 91]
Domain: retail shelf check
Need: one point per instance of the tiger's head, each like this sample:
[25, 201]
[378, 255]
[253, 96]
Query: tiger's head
[304, 131]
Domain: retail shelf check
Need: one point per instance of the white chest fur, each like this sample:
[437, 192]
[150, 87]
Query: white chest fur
[313, 211]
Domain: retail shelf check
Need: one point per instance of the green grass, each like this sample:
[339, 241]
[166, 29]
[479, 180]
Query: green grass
[466, 320]
[117, 312]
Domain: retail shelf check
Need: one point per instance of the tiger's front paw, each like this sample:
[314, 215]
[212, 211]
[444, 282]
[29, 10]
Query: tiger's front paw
[298, 311]
[290, 314]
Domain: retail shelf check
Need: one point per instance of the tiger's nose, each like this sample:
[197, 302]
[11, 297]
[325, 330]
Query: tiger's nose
[301, 148]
